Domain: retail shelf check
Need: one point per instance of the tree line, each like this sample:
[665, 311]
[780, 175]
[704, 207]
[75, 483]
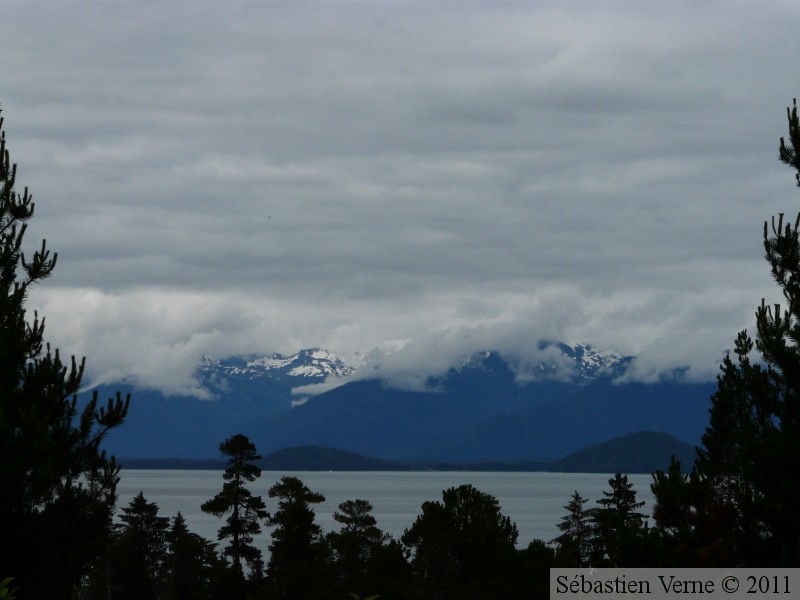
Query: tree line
[461, 547]
[734, 507]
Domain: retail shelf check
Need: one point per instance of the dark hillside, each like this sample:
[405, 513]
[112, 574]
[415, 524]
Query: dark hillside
[641, 452]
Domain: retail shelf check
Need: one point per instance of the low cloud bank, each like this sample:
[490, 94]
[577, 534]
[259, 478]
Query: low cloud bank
[156, 339]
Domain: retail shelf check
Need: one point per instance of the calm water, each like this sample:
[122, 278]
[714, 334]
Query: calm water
[534, 501]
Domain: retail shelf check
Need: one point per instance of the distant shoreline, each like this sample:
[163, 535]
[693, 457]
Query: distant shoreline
[215, 464]
[642, 452]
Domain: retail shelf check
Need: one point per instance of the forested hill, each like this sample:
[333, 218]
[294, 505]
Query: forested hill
[318, 458]
[642, 452]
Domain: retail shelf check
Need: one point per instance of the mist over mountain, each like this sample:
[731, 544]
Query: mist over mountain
[488, 406]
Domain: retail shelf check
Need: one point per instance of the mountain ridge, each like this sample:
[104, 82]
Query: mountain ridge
[490, 407]
[307, 363]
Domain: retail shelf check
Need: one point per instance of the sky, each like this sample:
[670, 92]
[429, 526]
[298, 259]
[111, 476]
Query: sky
[414, 179]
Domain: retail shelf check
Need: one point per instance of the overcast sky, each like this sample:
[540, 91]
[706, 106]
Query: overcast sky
[256, 177]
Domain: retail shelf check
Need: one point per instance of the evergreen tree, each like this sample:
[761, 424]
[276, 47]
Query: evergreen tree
[297, 563]
[747, 466]
[190, 564]
[138, 555]
[532, 570]
[733, 458]
[693, 529]
[354, 545]
[573, 545]
[726, 458]
[388, 572]
[463, 547]
[359, 534]
[243, 509]
[619, 529]
[778, 341]
[58, 485]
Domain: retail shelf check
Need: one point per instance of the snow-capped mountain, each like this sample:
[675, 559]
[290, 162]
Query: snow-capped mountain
[550, 401]
[580, 363]
[590, 363]
[555, 361]
[307, 365]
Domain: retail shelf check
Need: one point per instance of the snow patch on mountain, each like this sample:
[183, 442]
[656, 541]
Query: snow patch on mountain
[590, 363]
[311, 364]
[555, 361]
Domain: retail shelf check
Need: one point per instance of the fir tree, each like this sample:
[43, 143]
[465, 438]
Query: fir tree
[58, 485]
[573, 545]
[190, 564]
[619, 529]
[298, 555]
[138, 555]
[243, 509]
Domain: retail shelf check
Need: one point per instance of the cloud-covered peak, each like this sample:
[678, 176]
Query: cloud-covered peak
[417, 367]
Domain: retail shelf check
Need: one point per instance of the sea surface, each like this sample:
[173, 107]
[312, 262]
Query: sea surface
[534, 501]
